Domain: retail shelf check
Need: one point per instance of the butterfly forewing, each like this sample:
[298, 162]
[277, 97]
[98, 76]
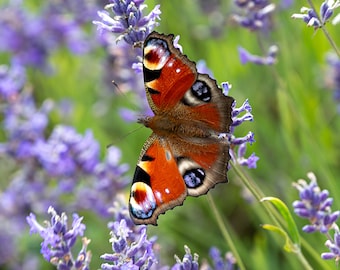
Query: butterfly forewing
[167, 73]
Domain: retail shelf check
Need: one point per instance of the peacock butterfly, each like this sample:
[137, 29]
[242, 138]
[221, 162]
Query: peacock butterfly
[184, 155]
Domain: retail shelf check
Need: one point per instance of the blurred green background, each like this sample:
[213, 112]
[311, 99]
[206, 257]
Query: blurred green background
[296, 128]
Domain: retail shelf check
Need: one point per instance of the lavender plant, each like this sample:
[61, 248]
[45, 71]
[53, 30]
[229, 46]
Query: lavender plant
[44, 167]
[32, 37]
[333, 77]
[131, 247]
[315, 205]
[256, 16]
[128, 23]
[59, 240]
[315, 20]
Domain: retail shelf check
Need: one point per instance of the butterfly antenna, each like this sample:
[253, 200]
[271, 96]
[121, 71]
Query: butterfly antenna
[124, 136]
[118, 88]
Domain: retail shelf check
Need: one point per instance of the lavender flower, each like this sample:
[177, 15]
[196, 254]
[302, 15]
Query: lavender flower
[254, 14]
[219, 263]
[315, 205]
[334, 247]
[12, 81]
[31, 38]
[311, 18]
[131, 26]
[189, 262]
[128, 20]
[269, 59]
[66, 152]
[333, 77]
[58, 240]
[44, 168]
[130, 245]
[239, 115]
[23, 122]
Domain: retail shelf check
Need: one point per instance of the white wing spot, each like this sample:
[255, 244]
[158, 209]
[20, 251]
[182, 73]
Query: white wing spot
[167, 155]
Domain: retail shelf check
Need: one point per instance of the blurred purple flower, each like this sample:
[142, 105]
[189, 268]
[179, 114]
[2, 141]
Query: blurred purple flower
[333, 77]
[201, 67]
[311, 18]
[12, 81]
[269, 59]
[254, 15]
[104, 185]
[128, 20]
[315, 205]
[131, 26]
[334, 247]
[23, 122]
[31, 38]
[285, 4]
[58, 240]
[189, 261]
[47, 169]
[219, 263]
[66, 152]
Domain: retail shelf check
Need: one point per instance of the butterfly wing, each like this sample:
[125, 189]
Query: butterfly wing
[205, 157]
[168, 74]
[157, 184]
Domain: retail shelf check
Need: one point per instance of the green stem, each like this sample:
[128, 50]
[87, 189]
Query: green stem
[274, 215]
[329, 38]
[253, 188]
[303, 261]
[225, 232]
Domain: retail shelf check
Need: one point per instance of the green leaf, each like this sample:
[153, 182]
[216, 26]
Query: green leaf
[289, 246]
[284, 211]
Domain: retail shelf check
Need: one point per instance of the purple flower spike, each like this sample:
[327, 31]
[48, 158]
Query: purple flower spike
[128, 20]
[189, 262]
[239, 115]
[254, 15]
[269, 59]
[310, 17]
[58, 240]
[32, 37]
[219, 263]
[240, 159]
[12, 80]
[130, 245]
[334, 247]
[66, 152]
[315, 205]
[333, 77]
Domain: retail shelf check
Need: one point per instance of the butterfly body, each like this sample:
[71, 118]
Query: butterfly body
[184, 155]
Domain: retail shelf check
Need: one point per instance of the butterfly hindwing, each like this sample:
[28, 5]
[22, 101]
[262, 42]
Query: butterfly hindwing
[157, 184]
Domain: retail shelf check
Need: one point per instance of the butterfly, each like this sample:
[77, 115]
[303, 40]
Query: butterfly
[184, 155]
